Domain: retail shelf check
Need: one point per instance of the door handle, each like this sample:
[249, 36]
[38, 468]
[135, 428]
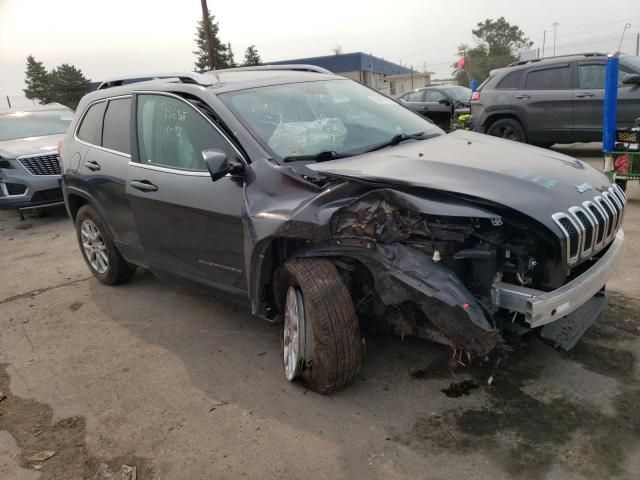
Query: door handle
[523, 97]
[584, 95]
[425, 108]
[143, 185]
[92, 165]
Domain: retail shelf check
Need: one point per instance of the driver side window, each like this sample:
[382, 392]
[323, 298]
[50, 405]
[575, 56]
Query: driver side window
[435, 96]
[172, 134]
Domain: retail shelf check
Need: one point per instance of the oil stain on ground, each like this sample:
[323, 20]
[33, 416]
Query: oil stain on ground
[31, 424]
[526, 436]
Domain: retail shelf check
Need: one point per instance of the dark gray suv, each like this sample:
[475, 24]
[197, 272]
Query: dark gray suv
[332, 208]
[554, 100]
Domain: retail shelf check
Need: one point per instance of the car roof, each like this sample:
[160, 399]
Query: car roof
[34, 108]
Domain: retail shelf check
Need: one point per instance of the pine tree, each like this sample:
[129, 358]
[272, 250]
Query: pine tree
[37, 81]
[68, 85]
[251, 56]
[231, 62]
[220, 49]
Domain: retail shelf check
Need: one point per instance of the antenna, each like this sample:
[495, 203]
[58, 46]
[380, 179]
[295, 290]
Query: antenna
[626, 27]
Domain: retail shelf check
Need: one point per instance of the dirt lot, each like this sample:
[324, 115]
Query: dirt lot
[184, 386]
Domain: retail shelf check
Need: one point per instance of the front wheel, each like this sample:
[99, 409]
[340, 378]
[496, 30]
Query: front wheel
[507, 128]
[321, 335]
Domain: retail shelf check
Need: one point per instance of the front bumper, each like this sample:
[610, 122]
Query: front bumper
[540, 308]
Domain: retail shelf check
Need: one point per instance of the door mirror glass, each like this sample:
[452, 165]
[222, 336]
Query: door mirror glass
[631, 79]
[217, 163]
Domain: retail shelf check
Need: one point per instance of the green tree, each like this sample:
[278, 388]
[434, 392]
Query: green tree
[220, 49]
[37, 81]
[498, 43]
[231, 62]
[67, 85]
[251, 56]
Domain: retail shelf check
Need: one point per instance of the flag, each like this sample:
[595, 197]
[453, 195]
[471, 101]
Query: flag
[460, 63]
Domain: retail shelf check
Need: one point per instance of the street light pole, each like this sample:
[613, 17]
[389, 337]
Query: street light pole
[544, 41]
[208, 34]
[555, 28]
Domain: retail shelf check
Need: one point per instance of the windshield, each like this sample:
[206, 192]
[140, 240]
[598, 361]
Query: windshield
[459, 94]
[338, 116]
[34, 124]
[633, 62]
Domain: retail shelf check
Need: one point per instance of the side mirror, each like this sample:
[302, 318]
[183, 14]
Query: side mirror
[444, 101]
[631, 79]
[217, 163]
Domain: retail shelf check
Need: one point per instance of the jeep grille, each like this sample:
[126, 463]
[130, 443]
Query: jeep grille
[589, 227]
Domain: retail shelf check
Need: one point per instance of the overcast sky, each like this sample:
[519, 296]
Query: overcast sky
[108, 38]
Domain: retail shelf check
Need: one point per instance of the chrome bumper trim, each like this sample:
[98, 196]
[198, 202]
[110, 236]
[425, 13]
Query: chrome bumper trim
[540, 308]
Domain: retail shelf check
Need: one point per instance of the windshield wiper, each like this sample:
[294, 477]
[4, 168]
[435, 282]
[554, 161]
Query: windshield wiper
[401, 137]
[317, 157]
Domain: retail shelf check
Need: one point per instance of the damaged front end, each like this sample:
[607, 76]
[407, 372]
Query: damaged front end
[431, 264]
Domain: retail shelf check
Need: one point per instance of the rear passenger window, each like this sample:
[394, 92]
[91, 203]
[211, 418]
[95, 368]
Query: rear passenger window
[115, 132]
[414, 97]
[511, 81]
[173, 134]
[88, 131]
[549, 79]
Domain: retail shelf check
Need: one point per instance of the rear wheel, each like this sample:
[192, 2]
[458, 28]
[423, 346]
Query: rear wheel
[507, 128]
[321, 336]
[98, 250]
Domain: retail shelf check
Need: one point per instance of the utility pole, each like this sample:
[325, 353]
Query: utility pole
[411, 77]
[544, 41]
[555, 28]
[637, 44]
[209, 36]
[8, 101]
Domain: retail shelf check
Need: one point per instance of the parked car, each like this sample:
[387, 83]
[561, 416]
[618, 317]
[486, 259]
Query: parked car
[554, 100]
[439, 103]
[29, 161]
[331, 207]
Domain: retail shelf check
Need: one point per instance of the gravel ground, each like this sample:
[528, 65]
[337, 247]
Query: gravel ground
[185, 386]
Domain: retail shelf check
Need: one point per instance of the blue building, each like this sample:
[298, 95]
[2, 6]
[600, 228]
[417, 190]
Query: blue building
[377, 73]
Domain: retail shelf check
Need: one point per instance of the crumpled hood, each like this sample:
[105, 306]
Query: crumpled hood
[532, 180]
[27, 146]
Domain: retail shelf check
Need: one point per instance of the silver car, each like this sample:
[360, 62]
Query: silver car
[29, 160]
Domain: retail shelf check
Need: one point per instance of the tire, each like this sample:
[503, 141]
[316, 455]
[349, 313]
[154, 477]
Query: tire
[622, 184]
[98, 249]
[507, 128]
[333, 346]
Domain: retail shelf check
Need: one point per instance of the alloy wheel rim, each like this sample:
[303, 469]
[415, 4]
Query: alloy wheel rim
[94, 247]
[294, 333]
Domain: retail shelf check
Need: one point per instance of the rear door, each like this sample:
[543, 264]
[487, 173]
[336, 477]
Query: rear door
[415, 101]
[190, 226]
[105, 130]
[545, 104]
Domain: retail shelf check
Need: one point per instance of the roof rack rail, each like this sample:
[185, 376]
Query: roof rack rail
[533, 60]
[184, 77]
[293, 67]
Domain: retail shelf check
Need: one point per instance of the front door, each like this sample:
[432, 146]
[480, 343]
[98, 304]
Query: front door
[190, 226]
[545, 103]
[588, 107]
[439, 108]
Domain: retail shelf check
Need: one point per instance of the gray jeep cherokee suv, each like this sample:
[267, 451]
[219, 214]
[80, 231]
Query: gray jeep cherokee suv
[554, 100]
[29, 161]
[331, 207]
